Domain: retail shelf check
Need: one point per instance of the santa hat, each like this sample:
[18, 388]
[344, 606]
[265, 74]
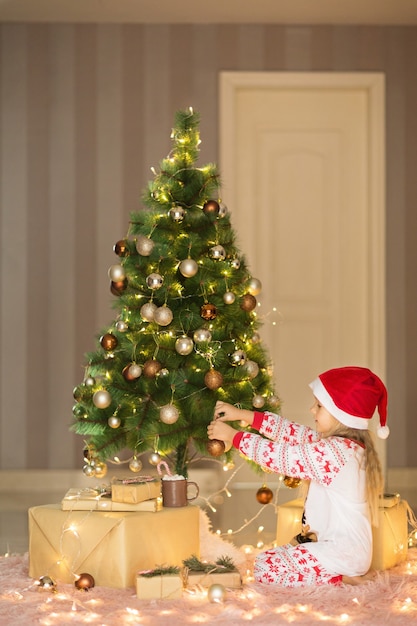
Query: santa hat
[351, 395]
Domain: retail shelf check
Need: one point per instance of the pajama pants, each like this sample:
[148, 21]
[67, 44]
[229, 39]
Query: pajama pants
[292, 566]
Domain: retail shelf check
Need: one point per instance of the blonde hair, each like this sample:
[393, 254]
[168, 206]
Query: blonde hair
[374, 477]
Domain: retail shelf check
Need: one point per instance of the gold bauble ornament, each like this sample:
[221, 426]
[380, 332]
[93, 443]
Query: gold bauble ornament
[147, 311]
[264, 495]
[168, 414]
[154, 280]
[184, 345]
[202, 335]
[116, 273]
[163, 315]
[114, 421]
[215, 447]
[132, 371]
[177, 214]
[155, 458]
[254, 286]
[46, 582]
[84, 582]
[135, 464]
[144, 245]
[229, 297]
[216, 593]
[291, 482]
[102, 399]
[248, 302]
[213, 379]
[117, 288]
[108, 341]
[258, 401]
[188, 268]
[217, 253]
[151, 368]
[208, 311]
[100, 469]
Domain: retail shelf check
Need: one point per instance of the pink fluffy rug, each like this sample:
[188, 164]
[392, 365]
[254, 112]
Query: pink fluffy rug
[390, 599]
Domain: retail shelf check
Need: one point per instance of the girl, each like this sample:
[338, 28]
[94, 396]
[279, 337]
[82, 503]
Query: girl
[340, 462]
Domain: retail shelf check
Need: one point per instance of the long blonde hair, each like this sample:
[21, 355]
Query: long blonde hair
[374, 477]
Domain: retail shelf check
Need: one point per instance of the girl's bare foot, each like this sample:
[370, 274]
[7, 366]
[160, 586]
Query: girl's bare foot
[359, 580]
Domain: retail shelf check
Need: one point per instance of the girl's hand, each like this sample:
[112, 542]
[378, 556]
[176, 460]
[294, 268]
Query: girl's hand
[219, 430]
[224, 412]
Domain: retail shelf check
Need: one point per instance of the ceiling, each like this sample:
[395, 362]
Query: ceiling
[394, 12]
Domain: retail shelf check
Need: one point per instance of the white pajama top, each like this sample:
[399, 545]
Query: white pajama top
[336, 508]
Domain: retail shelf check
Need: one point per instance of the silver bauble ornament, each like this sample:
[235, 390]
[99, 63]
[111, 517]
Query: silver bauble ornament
[177, 214]
[168, 414]
[121, 326]
[114, 421]
[46, 582]
[218, 253]
[254, 286]
[102, 399]
[223, 210]
[155, 458]
[252, 369]
[235, 263]
[135, 464]
[89, 381]
[154, 281]
[229, 297]
[116, 273]
[188, 268]
[163, 315]
[258, 401]
[202, 335]
[238, 358]
[144, 245]
[256, 338]
[163, 372]
[184, 345]
[216, 593]
[88, 470]
[147, 311]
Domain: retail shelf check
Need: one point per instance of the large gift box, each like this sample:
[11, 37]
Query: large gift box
[133, 491]
[111, 546]
[390, 538]
[97, 500]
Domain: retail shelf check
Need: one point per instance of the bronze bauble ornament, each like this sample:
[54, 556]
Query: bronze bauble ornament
[151, 368]
[248, 302]
[121, 248]
[211, 207]
[84, 582]
[264, 495]
[108, 342]
[208, 311]
[291, 482]
[215, 447]
[213, 379]
[117, 288]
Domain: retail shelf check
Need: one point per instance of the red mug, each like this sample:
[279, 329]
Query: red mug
[175, 492]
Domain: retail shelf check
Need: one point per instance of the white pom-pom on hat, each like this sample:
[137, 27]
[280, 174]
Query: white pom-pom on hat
[382, 432]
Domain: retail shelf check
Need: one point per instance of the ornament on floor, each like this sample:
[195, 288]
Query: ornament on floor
[208, 311]
[264, 495]
[144, 245]
[121, 248]
[108, 341]
[215, 447]
[291, 482]
[84, 582]
[163, 315]
[102, 399]
[248, 302]
[217, 593]
[213, 379]
[188, 268]
[211, 207]
[47, 583]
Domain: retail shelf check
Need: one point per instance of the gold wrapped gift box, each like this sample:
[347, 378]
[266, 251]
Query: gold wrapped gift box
[135, 492]
[92, 500]
[232, 580]
[111, 546]
[167, 586]
[390, 539]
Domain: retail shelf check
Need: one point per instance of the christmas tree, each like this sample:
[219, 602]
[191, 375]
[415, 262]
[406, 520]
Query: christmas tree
[186, 330]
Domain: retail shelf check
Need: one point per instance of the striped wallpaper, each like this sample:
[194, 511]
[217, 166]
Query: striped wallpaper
[86, 110]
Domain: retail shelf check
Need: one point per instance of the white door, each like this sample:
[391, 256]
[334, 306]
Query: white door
[302, 164]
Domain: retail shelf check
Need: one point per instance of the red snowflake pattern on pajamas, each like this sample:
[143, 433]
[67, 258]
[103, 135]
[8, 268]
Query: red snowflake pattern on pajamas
[292, 566]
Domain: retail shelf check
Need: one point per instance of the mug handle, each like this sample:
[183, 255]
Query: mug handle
[197, 490]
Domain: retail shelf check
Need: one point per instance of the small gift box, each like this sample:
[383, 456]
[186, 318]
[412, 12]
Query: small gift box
[135, 490]
[100, 500]
[222, 572]
[159, 584]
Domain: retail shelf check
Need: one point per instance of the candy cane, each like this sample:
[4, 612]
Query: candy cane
[164, 464]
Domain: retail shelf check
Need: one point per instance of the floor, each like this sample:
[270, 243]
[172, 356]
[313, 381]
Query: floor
[20, 490]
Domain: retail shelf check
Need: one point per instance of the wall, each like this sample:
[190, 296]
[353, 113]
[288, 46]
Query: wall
[86, 110]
